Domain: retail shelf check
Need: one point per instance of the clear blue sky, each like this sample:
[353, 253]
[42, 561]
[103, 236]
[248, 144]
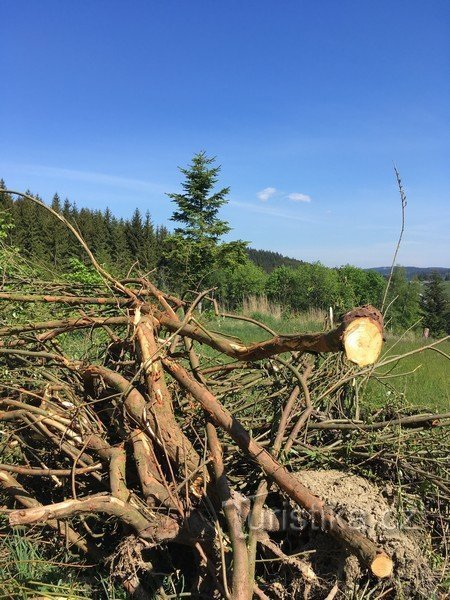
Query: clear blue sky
[306, 104]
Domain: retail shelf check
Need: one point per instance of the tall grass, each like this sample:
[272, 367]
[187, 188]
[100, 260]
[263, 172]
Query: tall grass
[261, 305]
[422, 379]
[32, 567]
[280, 323]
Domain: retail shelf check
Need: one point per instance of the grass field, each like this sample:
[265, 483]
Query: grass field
[421, 380]
[426, 379]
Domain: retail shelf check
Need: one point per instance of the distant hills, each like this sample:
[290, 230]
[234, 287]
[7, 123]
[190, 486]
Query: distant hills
[268, 261]
[411, 272]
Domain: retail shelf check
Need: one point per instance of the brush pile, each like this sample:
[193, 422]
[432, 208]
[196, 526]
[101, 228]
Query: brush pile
[193, 465]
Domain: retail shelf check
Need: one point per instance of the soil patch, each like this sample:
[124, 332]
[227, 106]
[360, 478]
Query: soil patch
[364, 507]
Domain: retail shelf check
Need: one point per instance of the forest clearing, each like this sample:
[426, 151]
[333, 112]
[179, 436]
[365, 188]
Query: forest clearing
[224, 300]
[177, 449]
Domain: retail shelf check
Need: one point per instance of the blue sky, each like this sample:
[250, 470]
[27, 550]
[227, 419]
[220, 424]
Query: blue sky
[306, 104]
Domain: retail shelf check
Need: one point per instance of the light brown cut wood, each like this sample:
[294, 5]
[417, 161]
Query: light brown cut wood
[382, 566]
[363, 340]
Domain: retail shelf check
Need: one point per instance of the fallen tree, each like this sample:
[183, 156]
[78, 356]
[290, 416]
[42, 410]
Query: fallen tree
[128, 422]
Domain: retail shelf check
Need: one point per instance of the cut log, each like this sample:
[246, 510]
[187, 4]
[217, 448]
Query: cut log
[362, 341]
[381, 566]
[360, 335]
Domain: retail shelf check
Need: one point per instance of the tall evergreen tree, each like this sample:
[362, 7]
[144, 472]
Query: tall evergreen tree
[135, 236]
[149, 250]
[198, 206]
[121, 255]
[193, 254]
[58, 236]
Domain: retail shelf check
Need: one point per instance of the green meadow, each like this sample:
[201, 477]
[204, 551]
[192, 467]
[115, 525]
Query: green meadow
[421, 379]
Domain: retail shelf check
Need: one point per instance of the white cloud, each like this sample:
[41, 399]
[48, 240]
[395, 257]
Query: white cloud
[266, 193]
[296, 197]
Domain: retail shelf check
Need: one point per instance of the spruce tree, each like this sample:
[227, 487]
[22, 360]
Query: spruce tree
[198, 206]
[135, 236]
[59, 239]
[193, 254]
[149, 250]
[121, 255]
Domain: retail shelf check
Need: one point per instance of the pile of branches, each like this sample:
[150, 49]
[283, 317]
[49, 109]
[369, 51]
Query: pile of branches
[159, 447]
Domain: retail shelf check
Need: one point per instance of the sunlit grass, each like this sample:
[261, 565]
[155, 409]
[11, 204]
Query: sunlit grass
[420, 380]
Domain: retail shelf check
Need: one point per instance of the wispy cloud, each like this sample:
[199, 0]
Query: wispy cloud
[89, 177]
[296, 197]
[266, 193]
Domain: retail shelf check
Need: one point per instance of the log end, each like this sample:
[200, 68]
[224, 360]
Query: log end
[382, 566]
[363, 340]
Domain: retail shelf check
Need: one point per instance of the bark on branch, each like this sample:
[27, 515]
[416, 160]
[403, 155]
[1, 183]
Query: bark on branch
[241, 579]
[368, 552]
[156, 527]
[360, 335]
[178, 447]
[15, 489]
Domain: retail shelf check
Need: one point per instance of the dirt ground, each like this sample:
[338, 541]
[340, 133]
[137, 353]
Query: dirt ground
[364, 506]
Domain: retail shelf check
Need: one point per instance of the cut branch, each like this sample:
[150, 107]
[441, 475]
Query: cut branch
[64, 324]
[368, 552]
[144, 415]
[360, 335]
[15, 489]
[160, 406]
[241, 580]
[156, 527]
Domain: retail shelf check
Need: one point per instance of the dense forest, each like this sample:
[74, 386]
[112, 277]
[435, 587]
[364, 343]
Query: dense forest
[268, 260]
[193, 257]
[117, 243]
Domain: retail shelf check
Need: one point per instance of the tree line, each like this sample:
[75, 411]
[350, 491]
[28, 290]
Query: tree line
[116, 242]
[194, 256]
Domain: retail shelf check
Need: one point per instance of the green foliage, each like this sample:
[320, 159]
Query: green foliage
[237, 282]
[5, 225]
[198, 207]
[358, 287]
[435, 307]
[403, 302]
[193, 255]
[78, 272]
[307, 286]
[316, 286]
